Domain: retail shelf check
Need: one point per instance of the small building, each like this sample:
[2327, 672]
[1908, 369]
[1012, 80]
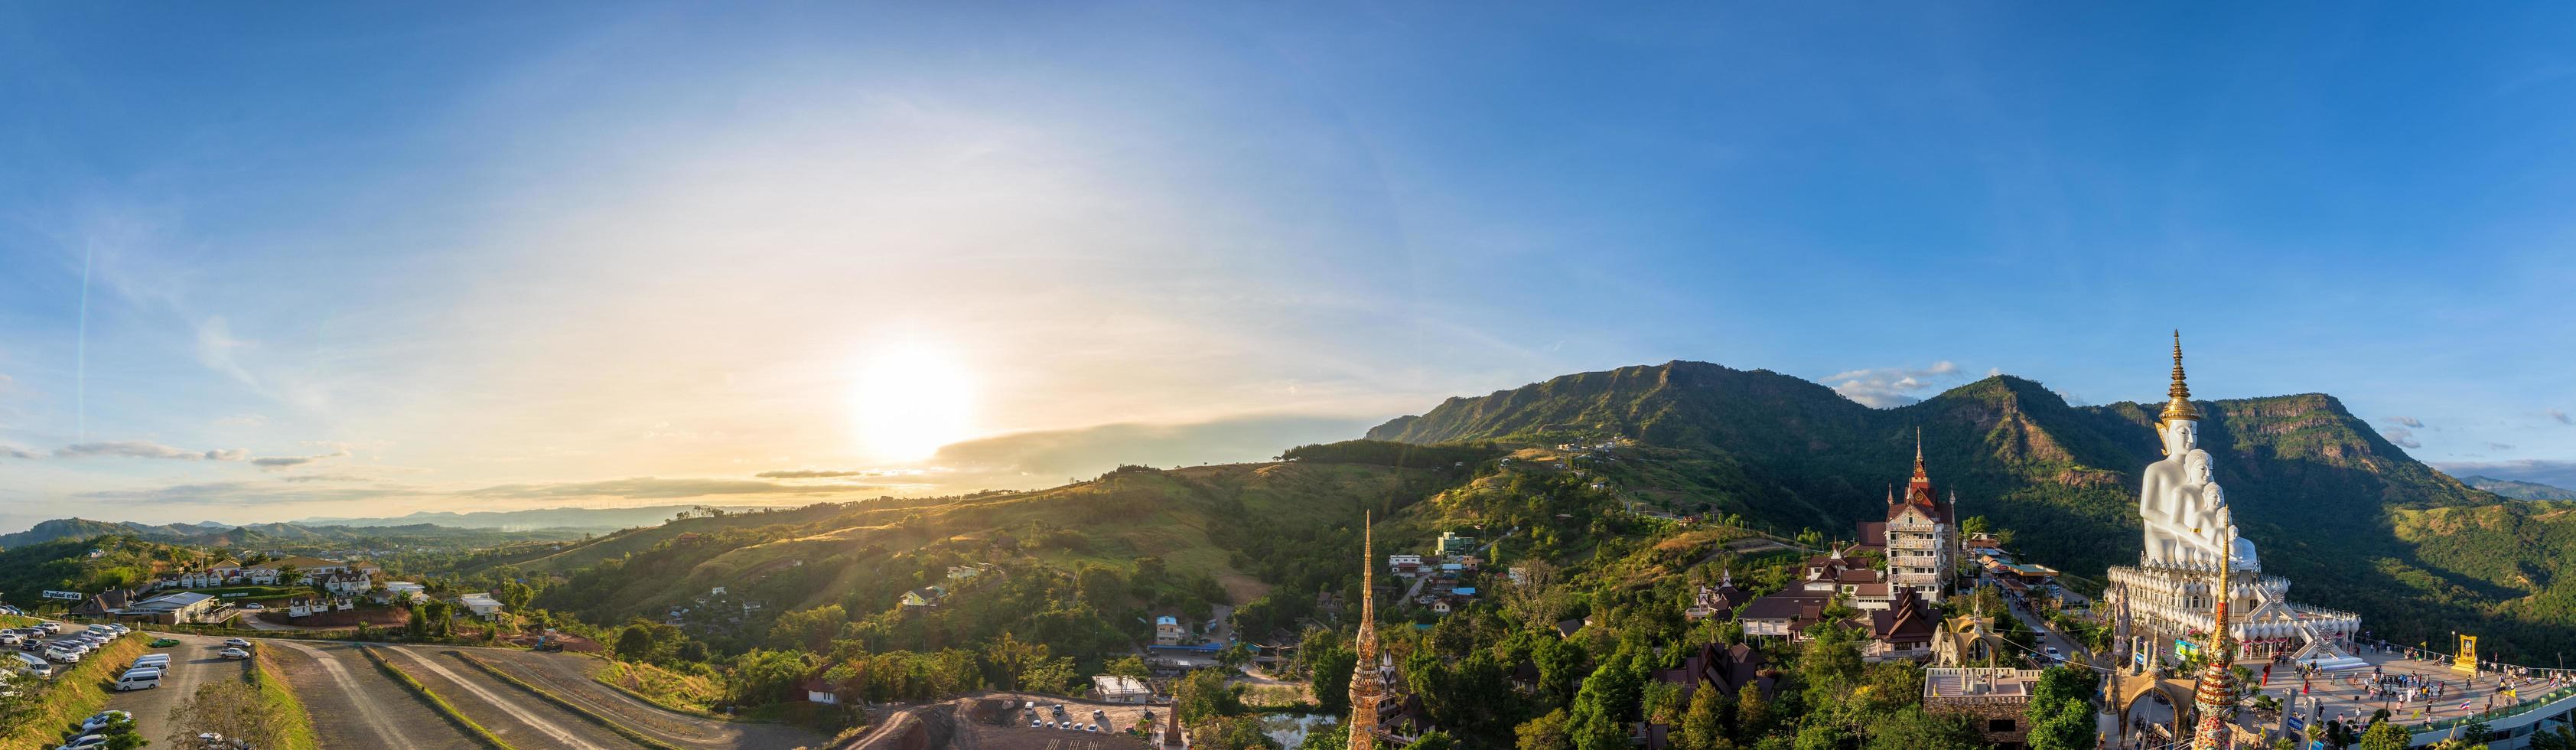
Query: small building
[105, 604]
[1993, 698]
[483, 604]
[171, 609]
[1718, 601]
[1110, 688]
[1787, 614]
[819, 690]
[1453, 544]
[1168, 631]
[925, 597]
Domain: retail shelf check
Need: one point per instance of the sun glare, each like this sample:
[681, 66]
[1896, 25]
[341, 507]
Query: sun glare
[909, 400]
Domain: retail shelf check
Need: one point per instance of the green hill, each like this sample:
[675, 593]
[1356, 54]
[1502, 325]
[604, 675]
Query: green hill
[2329, 501]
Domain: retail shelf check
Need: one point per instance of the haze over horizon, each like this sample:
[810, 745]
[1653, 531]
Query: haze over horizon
[274, 263]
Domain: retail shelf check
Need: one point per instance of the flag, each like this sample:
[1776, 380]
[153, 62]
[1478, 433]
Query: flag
[2464, 705]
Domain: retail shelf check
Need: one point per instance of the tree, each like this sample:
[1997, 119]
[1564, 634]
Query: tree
[762, 677]
[808, 629]
[516, 595]
[1433, 740]
[232, 709]
[1330, 676]
[1711, 714]
[1014, 658]
[2385, 735]
[1752, 713]
[1910, 728]
[1544, 733]
[634, 643]
[2061, 710]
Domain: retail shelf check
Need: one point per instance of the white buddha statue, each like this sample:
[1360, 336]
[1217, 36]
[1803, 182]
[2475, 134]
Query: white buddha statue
[2179, 501]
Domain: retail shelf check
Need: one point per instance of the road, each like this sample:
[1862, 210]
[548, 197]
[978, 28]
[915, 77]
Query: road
[353, 705]
[522, 719]
[193, 664]
[568, 677]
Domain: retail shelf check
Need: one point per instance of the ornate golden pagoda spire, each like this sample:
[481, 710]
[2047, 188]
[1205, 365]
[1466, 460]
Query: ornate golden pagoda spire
[2179, 407]
[1366, 684]
[2216, 696]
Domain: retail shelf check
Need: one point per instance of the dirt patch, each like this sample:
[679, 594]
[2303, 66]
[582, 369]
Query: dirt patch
[1242, 588]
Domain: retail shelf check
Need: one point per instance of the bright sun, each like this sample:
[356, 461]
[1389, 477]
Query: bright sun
[911, 399]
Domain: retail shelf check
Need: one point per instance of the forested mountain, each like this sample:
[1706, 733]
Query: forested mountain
[2520, 490]
[2336, 508]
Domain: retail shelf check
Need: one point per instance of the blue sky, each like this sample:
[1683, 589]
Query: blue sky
[484, 255]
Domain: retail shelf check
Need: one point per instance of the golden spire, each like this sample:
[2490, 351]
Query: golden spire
[1368, 590]
[2180, 406]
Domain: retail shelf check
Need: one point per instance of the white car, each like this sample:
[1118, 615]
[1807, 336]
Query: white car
[101, 719]
[63, 655]
[237, 642]
[233, 653]
[84, 742]
[253, 606]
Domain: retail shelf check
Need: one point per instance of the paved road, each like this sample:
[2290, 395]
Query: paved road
[568, 676]
[193, 664]
[355, 706]
[522, 719]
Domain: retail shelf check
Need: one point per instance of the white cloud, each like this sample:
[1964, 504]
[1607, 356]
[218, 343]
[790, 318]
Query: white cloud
[215, 347]
[2407, 421]
[1892, 386]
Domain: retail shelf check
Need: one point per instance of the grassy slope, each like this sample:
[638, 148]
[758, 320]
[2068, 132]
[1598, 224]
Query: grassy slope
[77, 692]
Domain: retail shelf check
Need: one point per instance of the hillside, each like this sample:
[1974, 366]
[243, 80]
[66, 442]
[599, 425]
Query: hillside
[2319, 490]
[1223, 533]
[2519, 490]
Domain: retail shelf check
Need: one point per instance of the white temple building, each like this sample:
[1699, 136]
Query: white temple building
[2190, 537]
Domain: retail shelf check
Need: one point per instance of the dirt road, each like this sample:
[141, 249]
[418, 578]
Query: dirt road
[355, 706]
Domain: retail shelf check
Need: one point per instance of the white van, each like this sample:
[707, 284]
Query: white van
[35, 664]
[139, 679]
[155, 661]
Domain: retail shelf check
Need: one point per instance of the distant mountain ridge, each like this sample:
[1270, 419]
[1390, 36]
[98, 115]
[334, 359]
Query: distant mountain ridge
[2519, 490]
[571, 518]
[252, 535]
[2334, 506]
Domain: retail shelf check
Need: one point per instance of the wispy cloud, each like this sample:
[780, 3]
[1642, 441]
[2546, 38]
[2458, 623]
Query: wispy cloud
[657, 488]
[279, 462]
[1886, 387]
[11, 451]
[145, 449]
[818, 474]
[2407, 421]
[2560, 415]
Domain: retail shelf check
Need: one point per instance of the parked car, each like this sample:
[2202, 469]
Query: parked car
[84, 742]
[164, 642]
[233, 653]
[253, 606]
[101, 719]
[237, 642]
[64, 656]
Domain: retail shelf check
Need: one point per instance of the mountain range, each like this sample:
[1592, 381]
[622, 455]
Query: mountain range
[277, 535]
[2346, 515]
[2519, 490]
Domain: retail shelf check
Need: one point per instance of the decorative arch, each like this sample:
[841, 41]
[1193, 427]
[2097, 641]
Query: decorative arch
[2135, 686]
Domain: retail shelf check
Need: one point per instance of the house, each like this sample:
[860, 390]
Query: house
[1453, 544]
[397, 590]
[1110, 688]
[306, 568]
[483, 604]
[1168, 631]
[226, 570]
[1721, 667]
[1920, 535]
[1719, 601]
[105, 604]
[1904, 631]
[965, 572]
[351, 582]
[819, 690]
[1787, 614]
[925, 597]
